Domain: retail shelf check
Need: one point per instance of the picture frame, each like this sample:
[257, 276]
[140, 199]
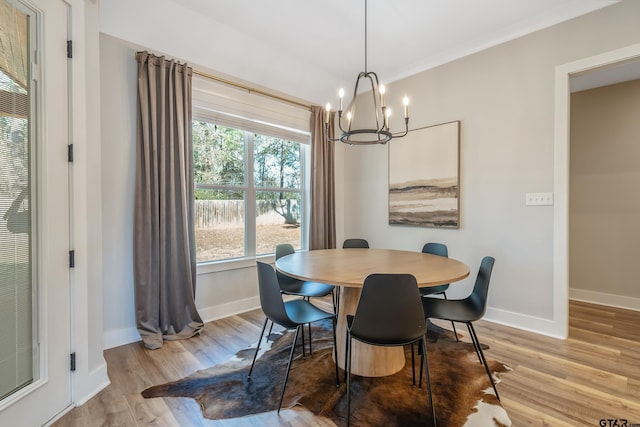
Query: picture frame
[424, 177]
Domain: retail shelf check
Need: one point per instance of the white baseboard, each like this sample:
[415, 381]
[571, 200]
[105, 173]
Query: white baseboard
[95, 381]
[525, 322]
[216, 312]
[120, 337]
[124, 336]
[620, 301]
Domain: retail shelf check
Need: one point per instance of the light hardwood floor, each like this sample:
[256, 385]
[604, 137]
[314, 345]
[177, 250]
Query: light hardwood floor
[593, 375]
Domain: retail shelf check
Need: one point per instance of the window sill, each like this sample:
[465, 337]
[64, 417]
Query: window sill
[233, 264]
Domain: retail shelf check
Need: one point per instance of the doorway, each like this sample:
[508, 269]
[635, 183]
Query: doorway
[563, 76]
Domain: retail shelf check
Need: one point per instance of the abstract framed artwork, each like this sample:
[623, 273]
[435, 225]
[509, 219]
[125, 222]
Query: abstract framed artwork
[424, 183]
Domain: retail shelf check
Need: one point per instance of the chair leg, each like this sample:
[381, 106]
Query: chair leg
[484, 361]
[475, 345]
[286, 377]
[453, 325]
[304, 351]
[348, 366]
[425, 361]
[413, 367]
[270, 329]
[421, 370]
[347, 342]
[310, 341]
[335, 350]
[258, 346]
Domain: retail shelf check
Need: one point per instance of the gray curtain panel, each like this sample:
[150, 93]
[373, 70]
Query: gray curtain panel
[164, 239]
[322, 233]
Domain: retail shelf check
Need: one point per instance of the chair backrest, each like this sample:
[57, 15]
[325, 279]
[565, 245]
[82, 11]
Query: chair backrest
[355, 243]
[284, 249]
[389, 311]
[477, 301]
[439, 249]
[270, 296]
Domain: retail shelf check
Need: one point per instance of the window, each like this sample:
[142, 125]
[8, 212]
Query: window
[249, 191]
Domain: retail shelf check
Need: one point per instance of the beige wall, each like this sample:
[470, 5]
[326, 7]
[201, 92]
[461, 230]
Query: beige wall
[504, 98]
[604, 195]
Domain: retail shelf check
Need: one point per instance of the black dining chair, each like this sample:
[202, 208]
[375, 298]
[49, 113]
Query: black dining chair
[292, 286]
[439, 249]
[389, 313]
[290, 314]
[466, 310]
[355, 243]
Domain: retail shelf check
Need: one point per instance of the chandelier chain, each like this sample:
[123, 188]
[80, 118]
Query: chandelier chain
[365, 36]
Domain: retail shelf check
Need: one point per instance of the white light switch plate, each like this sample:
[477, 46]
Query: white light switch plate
[539, 199]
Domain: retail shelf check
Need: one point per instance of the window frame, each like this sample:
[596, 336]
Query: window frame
[250, 190]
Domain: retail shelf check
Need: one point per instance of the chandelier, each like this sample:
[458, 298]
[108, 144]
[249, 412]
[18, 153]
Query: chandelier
[372, 126]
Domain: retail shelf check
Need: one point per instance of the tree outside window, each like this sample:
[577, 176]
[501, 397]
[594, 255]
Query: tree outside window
[249, 192]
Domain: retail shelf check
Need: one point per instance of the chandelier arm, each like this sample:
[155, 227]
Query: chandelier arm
[400, 134]
[406, 129]
[340, 122]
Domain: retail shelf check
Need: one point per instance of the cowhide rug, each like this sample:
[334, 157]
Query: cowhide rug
[461, 390]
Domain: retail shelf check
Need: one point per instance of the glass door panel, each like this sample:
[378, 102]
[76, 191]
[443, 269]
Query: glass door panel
[16, 288]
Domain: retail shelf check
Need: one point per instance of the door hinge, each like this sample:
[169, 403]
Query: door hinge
[70, 153]
[73, 362]
[72, 259]
[69, 49]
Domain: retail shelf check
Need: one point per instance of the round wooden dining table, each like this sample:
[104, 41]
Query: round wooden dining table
[347, 268]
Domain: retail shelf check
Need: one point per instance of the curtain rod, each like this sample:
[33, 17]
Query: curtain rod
[252, 90]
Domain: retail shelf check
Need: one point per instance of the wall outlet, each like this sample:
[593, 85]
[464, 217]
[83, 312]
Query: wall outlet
[539, 199]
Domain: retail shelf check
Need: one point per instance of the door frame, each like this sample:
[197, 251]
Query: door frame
[50, 131]
[561, 188]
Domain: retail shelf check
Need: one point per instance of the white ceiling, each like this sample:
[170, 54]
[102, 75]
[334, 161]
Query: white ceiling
[404, 36]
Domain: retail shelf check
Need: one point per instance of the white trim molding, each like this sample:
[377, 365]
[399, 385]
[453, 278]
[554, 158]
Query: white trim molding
[602, 298]
[525, 322]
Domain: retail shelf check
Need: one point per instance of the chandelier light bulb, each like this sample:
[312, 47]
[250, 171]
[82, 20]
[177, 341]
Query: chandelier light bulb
[328, 108]
[341, 96]
[405, 102]
[382, 90]
[349, 116]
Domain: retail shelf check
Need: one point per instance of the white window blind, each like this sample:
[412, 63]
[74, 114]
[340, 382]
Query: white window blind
[237, 108]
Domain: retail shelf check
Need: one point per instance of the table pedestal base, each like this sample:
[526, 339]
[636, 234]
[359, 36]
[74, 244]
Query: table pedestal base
[366, 360]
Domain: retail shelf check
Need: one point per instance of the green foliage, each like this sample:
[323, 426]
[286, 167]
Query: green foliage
[218, 154]
[218, 159]
[205, 194]
[276, 162]
[277, 165]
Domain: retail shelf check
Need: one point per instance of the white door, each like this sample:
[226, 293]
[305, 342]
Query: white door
[35, 378]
